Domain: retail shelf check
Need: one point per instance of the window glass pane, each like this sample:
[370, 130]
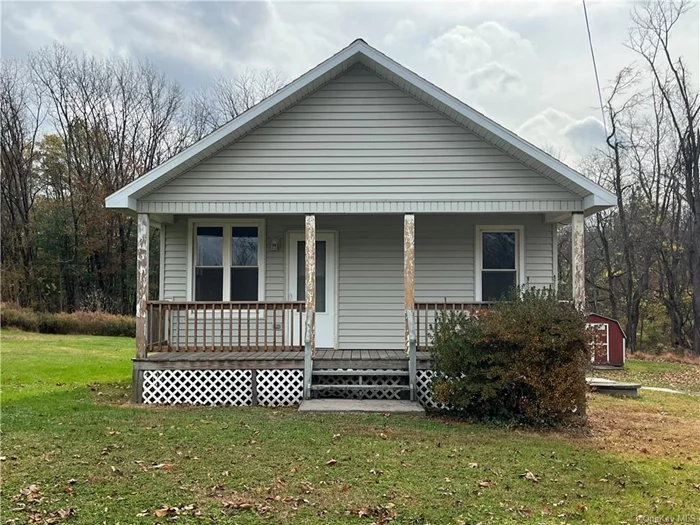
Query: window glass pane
[244, 246]
[496, 285]
[210, 243]
[209, 284]
[498, 250]
[244, 284]
[320, 274]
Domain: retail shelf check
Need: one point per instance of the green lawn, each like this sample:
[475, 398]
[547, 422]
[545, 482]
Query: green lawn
[677, 376]
[75, 451]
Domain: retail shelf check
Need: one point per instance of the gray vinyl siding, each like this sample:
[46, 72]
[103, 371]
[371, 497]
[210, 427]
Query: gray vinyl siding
[175, 260]
[370, 266]
[359, 139]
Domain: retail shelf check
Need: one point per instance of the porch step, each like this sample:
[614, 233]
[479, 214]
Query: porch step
[360, 372]
[380, 406]
[360, 387]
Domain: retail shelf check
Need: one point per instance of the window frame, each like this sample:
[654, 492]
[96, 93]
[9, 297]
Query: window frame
[227, 225]
[519, 232]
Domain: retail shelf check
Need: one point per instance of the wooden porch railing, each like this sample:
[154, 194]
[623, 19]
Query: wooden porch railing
[426, 313]
[224, 326]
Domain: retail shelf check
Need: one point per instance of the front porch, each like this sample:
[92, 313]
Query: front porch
[275, 378]
[357, 322]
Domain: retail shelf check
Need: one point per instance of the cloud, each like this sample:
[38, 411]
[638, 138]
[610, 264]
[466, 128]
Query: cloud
[495, 78]
[202, 48]
[483, 64]
[461, 49]
[290, 44]
[511, 64]
[465, 49]
[403, 30]
[70, 24]
[562, 135]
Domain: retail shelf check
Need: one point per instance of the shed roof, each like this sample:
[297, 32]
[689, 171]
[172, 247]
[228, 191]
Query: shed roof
[594, 197]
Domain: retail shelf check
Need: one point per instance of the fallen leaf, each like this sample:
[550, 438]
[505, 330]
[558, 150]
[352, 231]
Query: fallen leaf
[331, 462]
[32, 493]
[530, 476]
[486, 484]
[473, 465]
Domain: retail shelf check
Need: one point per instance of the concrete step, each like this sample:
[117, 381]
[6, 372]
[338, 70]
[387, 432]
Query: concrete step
[381, 406]
[360, 387]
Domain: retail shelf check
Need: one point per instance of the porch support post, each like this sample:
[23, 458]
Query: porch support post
[310, 274]
[409, 268]
[142, 252]
[578, 261]
[409, 271]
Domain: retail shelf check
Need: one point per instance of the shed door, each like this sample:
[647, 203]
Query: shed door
[600, 342]
[326, 271]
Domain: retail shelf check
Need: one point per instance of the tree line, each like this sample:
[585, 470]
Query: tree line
[76, 128]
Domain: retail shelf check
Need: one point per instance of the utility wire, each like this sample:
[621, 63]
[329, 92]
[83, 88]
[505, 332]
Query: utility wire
[595, 67]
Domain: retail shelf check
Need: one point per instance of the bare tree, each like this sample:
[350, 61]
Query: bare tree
[226, 98]
[620, 109]
[21, 115]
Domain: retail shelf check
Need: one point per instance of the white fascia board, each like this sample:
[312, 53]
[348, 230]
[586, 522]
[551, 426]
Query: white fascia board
[124, 198]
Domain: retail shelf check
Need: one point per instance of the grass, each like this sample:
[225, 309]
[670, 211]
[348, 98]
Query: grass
[663, 374]
[74, 450]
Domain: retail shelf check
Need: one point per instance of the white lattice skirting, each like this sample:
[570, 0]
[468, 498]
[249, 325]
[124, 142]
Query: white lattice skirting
[260, 387]
[424, 389]
[223, 387]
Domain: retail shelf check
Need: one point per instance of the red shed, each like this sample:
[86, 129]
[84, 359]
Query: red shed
[608, 342]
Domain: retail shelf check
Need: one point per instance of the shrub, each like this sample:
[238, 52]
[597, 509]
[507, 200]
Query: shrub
[524, 361]
[86, 323]
[22, 318]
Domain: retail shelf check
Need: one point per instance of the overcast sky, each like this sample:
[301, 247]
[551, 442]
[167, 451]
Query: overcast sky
[526, 65]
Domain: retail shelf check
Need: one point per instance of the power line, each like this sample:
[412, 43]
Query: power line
[595, 67]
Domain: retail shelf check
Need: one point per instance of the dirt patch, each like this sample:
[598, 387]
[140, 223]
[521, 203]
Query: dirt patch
[657, 424]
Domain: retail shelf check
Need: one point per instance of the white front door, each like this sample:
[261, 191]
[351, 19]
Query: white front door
[326, 268]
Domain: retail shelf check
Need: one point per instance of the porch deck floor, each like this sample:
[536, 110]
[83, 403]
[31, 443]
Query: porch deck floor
[324, 358]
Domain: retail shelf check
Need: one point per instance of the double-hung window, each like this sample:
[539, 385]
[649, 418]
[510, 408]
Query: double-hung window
[498, 262]
[228, 261]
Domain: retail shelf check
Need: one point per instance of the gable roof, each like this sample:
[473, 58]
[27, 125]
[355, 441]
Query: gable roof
[595, 197]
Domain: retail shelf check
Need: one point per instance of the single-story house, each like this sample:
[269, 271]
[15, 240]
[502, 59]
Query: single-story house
[307, 244]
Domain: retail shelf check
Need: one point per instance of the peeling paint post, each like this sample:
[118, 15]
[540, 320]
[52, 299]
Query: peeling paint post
[142, 249]
[409, 274]
[578, 261]
[409, 268]
[310, 274]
